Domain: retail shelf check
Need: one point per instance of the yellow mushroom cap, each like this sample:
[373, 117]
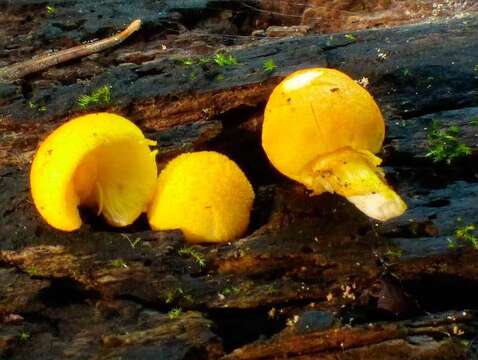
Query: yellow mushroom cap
[316, 111]
[100, 160]
[206, 195]
[321, 129]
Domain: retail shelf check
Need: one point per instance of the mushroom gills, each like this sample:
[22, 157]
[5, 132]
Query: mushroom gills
[114, 179]
[355, 175]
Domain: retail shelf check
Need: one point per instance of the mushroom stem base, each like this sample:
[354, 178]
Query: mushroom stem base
[355, 175]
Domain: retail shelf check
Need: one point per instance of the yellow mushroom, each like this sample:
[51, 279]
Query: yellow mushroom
[98, 160]
[206, 195]
[322, 129]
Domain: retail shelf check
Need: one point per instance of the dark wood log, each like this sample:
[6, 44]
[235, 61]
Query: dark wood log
[304, 257]
[418, 76]
[427, 337]
[18, 291]
[110, 330]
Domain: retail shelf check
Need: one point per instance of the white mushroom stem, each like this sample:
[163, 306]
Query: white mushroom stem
[379, 206]
[355, 175]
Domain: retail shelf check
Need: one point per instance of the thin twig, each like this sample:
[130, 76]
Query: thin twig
[19, 70]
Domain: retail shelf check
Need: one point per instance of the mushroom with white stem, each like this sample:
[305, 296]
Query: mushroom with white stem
[322, 129]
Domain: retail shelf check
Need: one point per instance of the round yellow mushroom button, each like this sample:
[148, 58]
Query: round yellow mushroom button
[206, 195]
[98, 160]
[322, 129]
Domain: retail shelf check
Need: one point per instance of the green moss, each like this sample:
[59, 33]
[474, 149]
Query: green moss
[230, 290]
[24, 336]
[269, 66]
[177, 295]
[101, 95]
[223, 59]
[186, 62]
[50, 9]
[32, 271]
[119, 263]
[444, 145]
[270, 289]
[134, 242]
[350, 37]
[394, 252]
[194, 254]
[193, 76]
[175, 313]
[188, 298]
[170, 296]
[466, 234]
[37, 107]
[452, 244]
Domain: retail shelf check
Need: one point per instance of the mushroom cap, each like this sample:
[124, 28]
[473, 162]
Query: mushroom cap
[206, 195]
[314, 112]
[100, 160]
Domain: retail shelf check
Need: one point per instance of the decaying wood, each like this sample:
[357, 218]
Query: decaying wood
[426, 337]
[24, 68]
[112, 330]
[417, 76]
[313, 271]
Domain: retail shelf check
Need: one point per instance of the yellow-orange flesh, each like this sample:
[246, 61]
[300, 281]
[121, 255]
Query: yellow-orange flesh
[206, 195]
[99, 160]
[321, 129]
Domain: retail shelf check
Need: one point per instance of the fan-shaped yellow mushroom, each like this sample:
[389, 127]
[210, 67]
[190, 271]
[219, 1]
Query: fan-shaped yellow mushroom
[206, 195]
[99, 160]
[322, 129]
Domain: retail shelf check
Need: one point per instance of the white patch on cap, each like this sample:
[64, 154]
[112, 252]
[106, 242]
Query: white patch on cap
[301, 80]
[378, 206]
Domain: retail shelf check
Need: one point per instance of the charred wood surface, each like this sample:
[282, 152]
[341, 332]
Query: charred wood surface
[314, 277]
